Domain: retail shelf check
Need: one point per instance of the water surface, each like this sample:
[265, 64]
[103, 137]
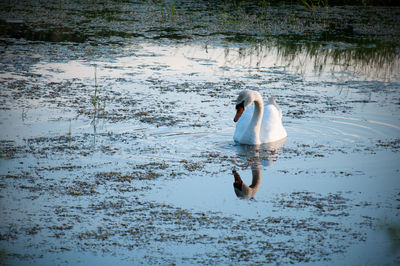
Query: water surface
[118, 148]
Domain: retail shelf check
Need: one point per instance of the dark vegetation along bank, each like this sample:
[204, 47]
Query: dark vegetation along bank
[118, 21]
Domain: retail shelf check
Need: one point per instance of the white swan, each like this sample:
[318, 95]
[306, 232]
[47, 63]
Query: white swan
[257, 124]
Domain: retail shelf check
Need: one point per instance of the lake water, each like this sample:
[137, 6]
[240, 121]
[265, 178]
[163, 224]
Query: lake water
[121, 151]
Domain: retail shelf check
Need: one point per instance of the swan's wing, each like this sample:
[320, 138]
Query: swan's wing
[272, 101]
[271, 126]
[243, 123]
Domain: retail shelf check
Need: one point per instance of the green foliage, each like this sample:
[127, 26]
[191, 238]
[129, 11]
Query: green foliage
[166, 9]
[314, 3]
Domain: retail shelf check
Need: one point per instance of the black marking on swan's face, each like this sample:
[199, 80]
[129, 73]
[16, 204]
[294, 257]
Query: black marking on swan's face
[239, 111]
[240, 105]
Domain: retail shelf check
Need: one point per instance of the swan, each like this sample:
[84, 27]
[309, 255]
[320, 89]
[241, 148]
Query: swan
[256, 124]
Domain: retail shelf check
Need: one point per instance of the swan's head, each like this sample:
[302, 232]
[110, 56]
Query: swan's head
[244, 100]
[241, 189]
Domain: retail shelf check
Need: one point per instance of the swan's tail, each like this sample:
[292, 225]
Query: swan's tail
[271, 100]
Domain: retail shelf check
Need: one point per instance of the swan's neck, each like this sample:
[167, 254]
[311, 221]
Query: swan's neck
[255, 123]
[256, 181]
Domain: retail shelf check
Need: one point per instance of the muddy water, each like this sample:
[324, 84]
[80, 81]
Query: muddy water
[121, 151]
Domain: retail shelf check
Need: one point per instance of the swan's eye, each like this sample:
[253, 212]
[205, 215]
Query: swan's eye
[240, 105]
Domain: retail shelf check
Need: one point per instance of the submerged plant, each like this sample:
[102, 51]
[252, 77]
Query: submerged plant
[96, 101]
[95, 98]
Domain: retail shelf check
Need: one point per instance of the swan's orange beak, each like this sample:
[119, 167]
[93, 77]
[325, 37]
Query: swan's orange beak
[239, 112]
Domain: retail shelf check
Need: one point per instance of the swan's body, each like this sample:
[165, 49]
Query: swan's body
[256, 123]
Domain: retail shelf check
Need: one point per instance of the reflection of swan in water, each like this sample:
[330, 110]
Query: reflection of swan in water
[244, 191]
[255, 155]
[266, 153]
[257, 124]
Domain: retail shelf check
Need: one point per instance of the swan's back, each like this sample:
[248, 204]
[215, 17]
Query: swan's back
[271, 125]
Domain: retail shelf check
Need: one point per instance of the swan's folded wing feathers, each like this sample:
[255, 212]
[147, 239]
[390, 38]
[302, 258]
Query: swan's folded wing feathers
[271, 100]
[271, 126]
